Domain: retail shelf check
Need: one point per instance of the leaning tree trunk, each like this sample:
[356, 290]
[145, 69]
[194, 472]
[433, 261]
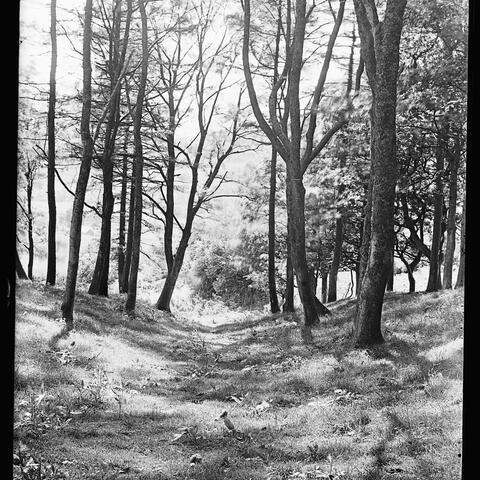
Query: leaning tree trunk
[380, 49]
[272, 287]
[165, 298]
[52, 209]
[19, 267]
[138, 170]
[461, 266]
[434, 270]
[454, 161]
[82, 181]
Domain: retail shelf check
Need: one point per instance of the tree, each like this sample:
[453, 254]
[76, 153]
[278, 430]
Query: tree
[193, 163]
[138, 166]
[288, 141]
[52, 210]
[380, 41]
[461, 267]
[453, 164]
[29, 172]
[115, 68]
[434, 278]
[84, 173]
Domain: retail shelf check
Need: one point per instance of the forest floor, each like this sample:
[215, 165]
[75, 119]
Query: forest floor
[141, 399]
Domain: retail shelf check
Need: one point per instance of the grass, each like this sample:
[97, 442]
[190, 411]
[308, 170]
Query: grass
[107, 401]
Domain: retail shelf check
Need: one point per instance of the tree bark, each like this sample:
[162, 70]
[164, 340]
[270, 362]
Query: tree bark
[163, 302]
[138, 168]
[324, 293]
[82, 181]
[434, 270]
[30, 174]
[272, 287]
[19, 267]
[121, 223]
[290, 149]
[128, 249]
[454, 162]
[461, 266]
[288, 305]
[391, 273]
[380, 49]
[52, 209]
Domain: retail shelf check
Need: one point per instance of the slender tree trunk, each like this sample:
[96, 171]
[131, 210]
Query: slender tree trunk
[138, 170]
[381, 62]
[52, 209]
[170, 202]
[19, 267]
[82, 181]
[461, 266]
[99, 283]
[31, 245]
[452, 216]
[121, 223]
[288, 305]
[434, 271]
[128, 250]
[272, 287]
[163, 302]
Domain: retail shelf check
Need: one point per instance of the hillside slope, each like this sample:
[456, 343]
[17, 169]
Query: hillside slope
[141, 399]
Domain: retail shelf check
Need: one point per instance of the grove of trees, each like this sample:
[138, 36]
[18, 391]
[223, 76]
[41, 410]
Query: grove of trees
[255, 150]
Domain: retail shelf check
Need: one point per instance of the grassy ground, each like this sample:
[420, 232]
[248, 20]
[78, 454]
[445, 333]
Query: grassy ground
[111, 400]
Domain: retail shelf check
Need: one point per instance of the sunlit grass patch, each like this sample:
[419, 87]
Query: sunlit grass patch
[389, 412]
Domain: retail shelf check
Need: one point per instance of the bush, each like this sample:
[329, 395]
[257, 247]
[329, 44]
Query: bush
[220, 273]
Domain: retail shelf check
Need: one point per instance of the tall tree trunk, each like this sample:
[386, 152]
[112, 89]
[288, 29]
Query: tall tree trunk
[121, 223]
[288, 305]
[461, 266]
[296, 209]
[19, 267]
[128, 249]
[434, 270]
[391, 273]
[82, 181]
[295, 188]
[99, 283]
[380, 50]
[138, 170]
[272, 287]
[52, 209]
[31, 245]
[454, 162]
